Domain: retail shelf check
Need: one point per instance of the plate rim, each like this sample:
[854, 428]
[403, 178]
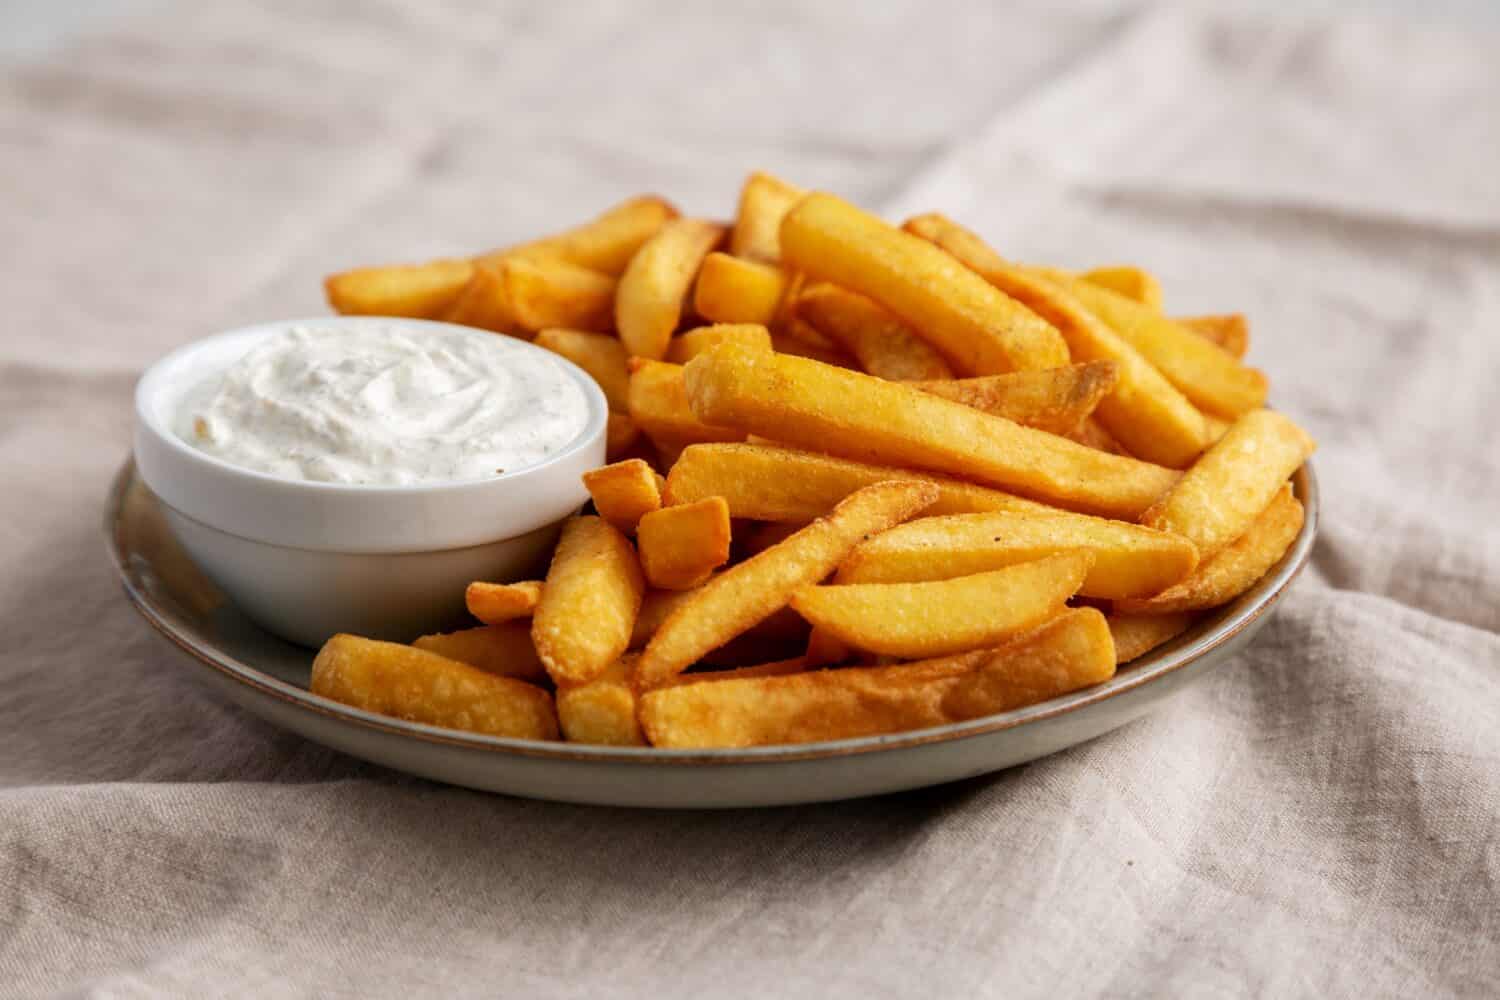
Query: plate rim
[1181, 653]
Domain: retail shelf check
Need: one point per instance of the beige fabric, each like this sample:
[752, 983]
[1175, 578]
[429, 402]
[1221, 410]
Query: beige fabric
[1319, 818]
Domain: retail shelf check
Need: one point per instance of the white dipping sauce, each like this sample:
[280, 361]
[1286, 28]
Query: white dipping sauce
[385, 406]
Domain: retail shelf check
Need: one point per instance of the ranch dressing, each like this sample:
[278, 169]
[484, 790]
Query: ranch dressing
[386, 406]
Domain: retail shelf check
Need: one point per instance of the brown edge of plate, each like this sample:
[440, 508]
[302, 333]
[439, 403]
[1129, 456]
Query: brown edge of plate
[1181, 652]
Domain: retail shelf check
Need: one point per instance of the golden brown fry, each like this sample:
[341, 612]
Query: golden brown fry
[869, 419]
[414, 684]
[1137, 635]
[599, 354]
[1236, 567]
[748, 593]
[494, 603]
[648, 303]
[1145, 411]
[881, 343]
[979, 330]
[601, 711]
[593, 592]
[764, 202]
[624, 492]
[681, 546]
[1129, 560]
[736, 290]
[826, 649]
[656, 605]
[770, 483]
[689, 345]
[1056, 400]
[1212, 378]
[1091, 434]
[420, 290]
[1231, 332]
[1217, 499]
[1215, 427]
[937, 617]
[1069, 652]
[484, 302]
[621, 438]
[505, 650]
[1132, 282]
[657, 398]
[605, 244]
[553, 293]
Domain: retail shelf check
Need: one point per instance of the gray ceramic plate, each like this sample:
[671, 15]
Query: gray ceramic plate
[269, 678]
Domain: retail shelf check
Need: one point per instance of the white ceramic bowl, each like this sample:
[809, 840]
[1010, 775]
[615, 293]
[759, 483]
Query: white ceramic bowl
[308, 559]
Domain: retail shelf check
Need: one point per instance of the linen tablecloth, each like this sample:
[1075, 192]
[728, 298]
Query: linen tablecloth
[1318, 818]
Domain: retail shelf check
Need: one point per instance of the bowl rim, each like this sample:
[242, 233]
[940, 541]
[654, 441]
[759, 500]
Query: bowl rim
[1177, 654]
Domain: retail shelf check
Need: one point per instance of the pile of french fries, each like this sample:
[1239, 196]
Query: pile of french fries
[861, 480]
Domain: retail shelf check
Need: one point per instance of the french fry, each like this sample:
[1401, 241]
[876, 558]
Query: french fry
[769, 483]
[764, 202]
[1150, 416]
[1137, 635]
[494, 603]
[589, 602]
[775, 668]
[605, 244]
[414, 684]
[601, 711]
[881, 343]
[601, 355]
[484, 302]
[1235, 568]
[750, 592]
[1069, 652]
[553, 293]
[505, 650]
[1212, 378]
[689, 345]
[937, 617]
[979, 330]
[865, 418]
[420, 290]
[1056, 400]
[650, 297]
[658, 403]
[1091, 434]
[826, 649]
[1230, 332]
[1129, 560]
[1215, 428]
[1217, 499]
[624, 492]
[656, 606]
[1132, 282]
[621, 437]
[681, 546]
[736, 290]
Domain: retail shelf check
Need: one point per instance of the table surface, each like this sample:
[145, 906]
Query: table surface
[1317, 818]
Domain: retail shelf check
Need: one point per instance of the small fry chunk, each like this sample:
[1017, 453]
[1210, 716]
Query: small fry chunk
[494, 603]
[938, 617]
[620, 437]
[1137, 635]
[769, 483]
[1056, 400]
[979, 330]
[624, 492]
[505, 650]
[1217, 499]
[882, 344]
[649, 300]
[764, 202]
[1129, 560]
[599, 354]
[689, 345]
[414, 684]
[745, 594]
[658, 403]
[1134, 283]
[601, 711]
[681, 546]
[545, 292]
[605, 244]
[420, 290]
[1231, 331]
[593, 592]
[862, 417]
[1235, 568]
[736, 290]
